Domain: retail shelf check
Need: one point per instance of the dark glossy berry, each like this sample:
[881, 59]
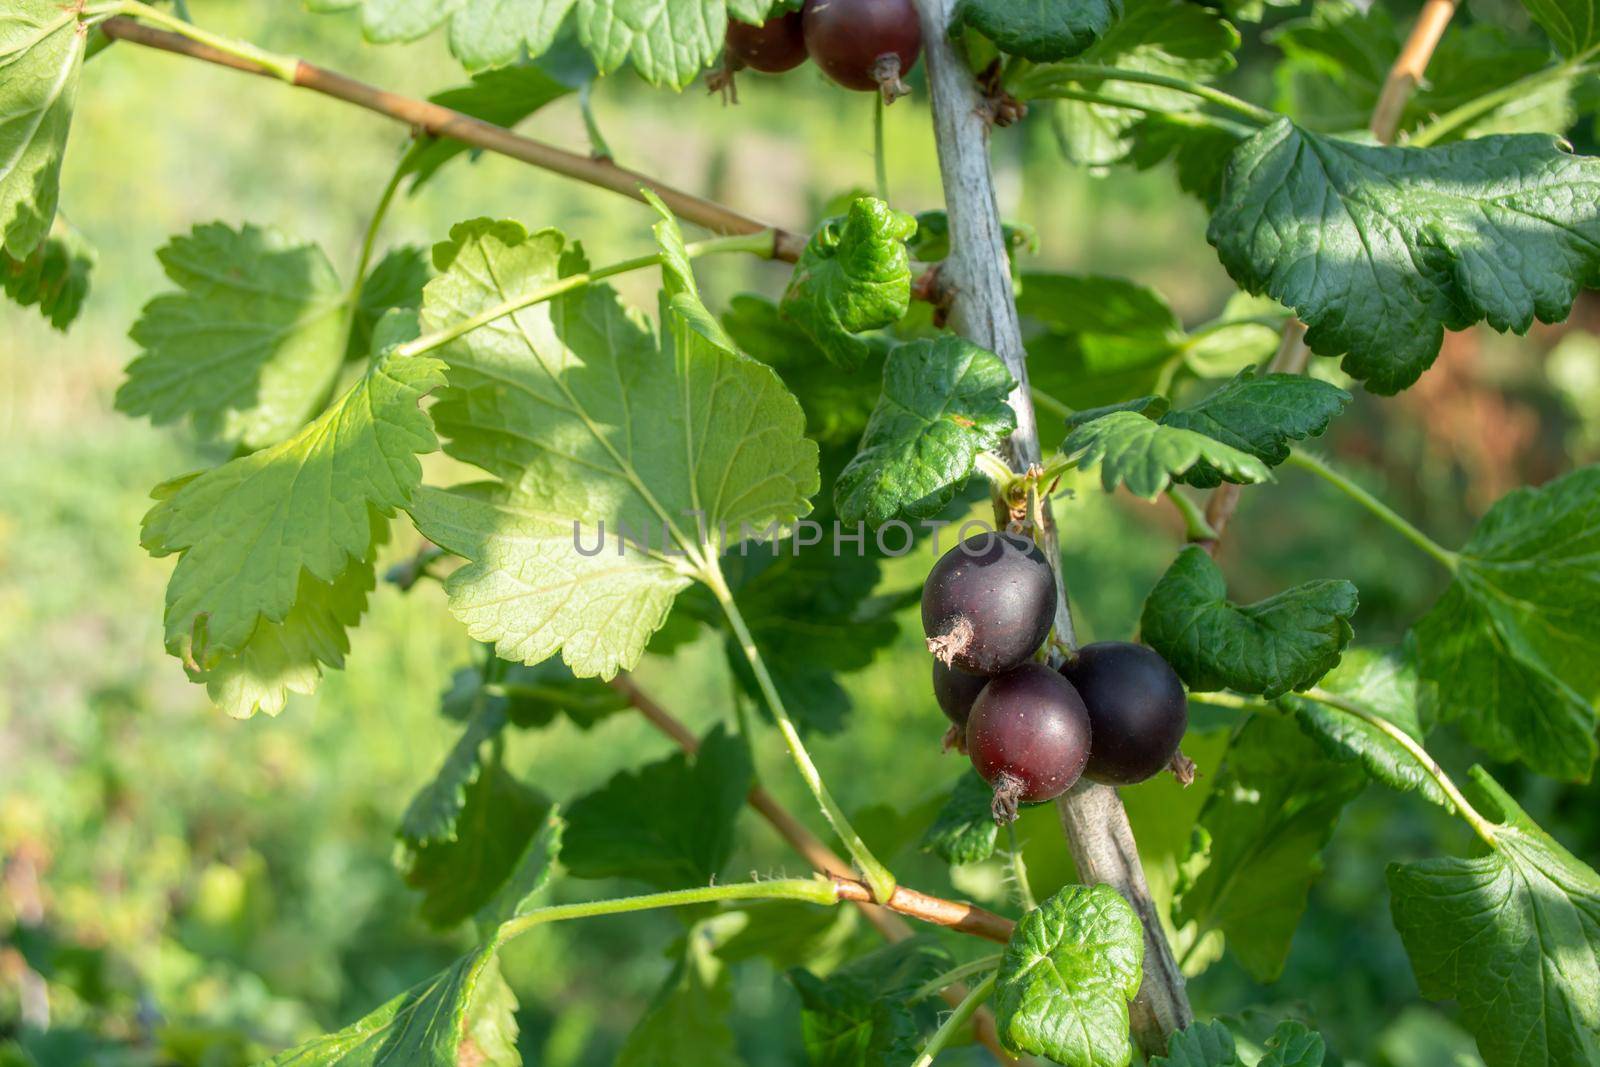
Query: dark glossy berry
[1137, 709]
[988, 603]
[955, 691]
[777, 45]
[1028, 736]
[864, 44]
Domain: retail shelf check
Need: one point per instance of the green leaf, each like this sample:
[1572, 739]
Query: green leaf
[1510, 644]
[250, 347]
[431, 816]
[1381, 249]
[1147, 455]
[275, 548]
[1199, 147]
[964, 831]
[670, 823]
[1293, 1044]
[1513, 936]
[436, 1023]
[1151, 407]
[523, 887]
[1284, 642]
[1258, 844]
[598, 431]
[504, 97]
[1260, 415]
[861, 1015]
[854, 275]
[1095, 340]
[465, 871]
[1574, 25]
[1041, 30]
[687, 1023]
[1204, 1044]
[836, 405]
[1071, 968]
[54, 276]
[943, 402]
[1168, 37]
[1382, 683]
[394, 282]
[482, 33]
[41, 54]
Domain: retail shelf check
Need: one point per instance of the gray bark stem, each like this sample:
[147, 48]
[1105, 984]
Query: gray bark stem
[983, 309]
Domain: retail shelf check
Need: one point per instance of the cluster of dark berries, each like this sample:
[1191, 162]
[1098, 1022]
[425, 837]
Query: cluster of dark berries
[860, 44]
[1114, 711]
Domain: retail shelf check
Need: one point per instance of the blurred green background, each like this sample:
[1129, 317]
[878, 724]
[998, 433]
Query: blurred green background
[183, 888]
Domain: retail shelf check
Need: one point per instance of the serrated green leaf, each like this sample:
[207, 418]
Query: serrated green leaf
[1147, 456]
[687, 1023]
[394, 283]
[670, 823]
[964, 831]
[599, 432]
[54, 276]
[1204, 1044]
[854, 275]
[836, 405]
[1512, 935]
[433, 1024]
[1151, 407]
[1574, 25]
[1168, 37]
[1259, 840]
[482, 33]
[1510, 644]
[504, 97]
[41, 54]
[275, 548]
[1293, 1044]
[1259, 415]
[1199, 147]
[943, 402]
[251, 344]
[861, 1015]
[1071, 968]
[431, 816]
[1282, 643]
[1040, 30]
[1382, 683]
[466, 871]
[1381, 249]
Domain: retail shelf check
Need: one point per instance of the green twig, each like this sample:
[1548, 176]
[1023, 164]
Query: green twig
[279, 66]
[955, 1022]
[759, 244]
[1049, 403]
[877, 876]
[1306, 461]
[808, 890]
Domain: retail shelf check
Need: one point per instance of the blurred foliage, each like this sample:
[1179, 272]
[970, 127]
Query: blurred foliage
[181, 888]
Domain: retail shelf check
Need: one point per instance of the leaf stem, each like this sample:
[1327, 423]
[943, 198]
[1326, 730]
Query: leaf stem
[808, 890]
[877, 876]
[954, 1022]
[1042, 399]
[1457, 117]
[759, 244]
[1019, 870]
[1067, 72]
[1391, 518]
[598, 148]
[1482, 826]
[959, 973]
[880, 164]
[369, 242]
[1195, 526]
[279, 66]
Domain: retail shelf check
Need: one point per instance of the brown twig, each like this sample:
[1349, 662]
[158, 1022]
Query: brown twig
[825, 861]
[1405, 74]
[438, 121]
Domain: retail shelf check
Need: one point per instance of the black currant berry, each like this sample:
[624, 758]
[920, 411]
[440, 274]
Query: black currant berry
[777, 45]
[1028, 736]
[955, 691]
[864, 44]
[1137, 709]
[988, 603]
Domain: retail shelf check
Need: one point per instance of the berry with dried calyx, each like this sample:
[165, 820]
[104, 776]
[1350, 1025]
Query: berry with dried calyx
[988, 603]
[864, 44]
[1028, 736]
[777, 45]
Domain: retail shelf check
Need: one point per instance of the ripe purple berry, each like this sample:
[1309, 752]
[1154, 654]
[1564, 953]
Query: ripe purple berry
[1137, 709]
[864, 44]
[777, 45]
[1028, 736]
[988, 603]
